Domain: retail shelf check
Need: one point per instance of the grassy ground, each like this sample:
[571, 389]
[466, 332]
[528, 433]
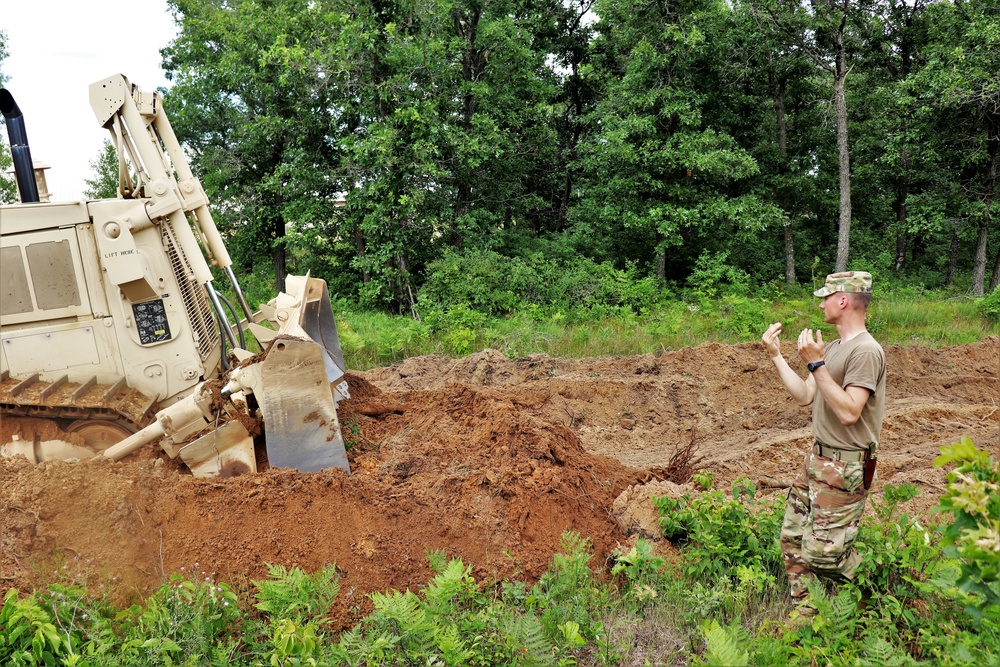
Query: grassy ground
[377, 339]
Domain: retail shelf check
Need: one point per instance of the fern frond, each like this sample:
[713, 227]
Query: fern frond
[403, 607]
[574, 545]
[403, 615]
[449, 642]
[740, 635]
[528, 638]
[368, 649]
[294, 594]
[447, 585]
[843, 611]
[437, 559]
[880, 653]
[722, 647]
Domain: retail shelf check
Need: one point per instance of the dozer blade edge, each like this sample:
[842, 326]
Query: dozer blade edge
[297, 403]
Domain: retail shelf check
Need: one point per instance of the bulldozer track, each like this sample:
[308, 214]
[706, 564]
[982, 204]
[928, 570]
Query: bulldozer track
[62, 399]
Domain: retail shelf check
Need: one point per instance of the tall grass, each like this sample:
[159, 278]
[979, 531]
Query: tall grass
[373, 339]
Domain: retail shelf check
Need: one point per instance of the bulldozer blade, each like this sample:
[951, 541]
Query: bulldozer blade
[225, 452]
[300, 415]
[318, 321]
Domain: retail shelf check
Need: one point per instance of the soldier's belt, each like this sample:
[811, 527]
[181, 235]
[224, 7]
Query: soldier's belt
[834, 454]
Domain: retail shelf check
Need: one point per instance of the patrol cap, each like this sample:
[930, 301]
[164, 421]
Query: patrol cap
[854, 282]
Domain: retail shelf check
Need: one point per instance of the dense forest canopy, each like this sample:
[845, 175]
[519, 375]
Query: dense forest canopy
[395, 147]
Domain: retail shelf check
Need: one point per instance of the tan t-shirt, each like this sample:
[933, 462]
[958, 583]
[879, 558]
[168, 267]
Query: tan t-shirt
[860, 362]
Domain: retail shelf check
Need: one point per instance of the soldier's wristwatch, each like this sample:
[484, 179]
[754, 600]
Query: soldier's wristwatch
[814, 365]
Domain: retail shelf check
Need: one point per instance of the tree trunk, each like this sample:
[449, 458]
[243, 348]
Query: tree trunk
[784, 198]
[979, 257]
[359, 244]
[901, 242]
[280, 269]
[843, 158]
[466, 27]
[953, 254]
[567, 191]
[995, 278]
[406, 286]
[901, 239]
[789, 255]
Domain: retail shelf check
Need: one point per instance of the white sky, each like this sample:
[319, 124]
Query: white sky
[56, 49]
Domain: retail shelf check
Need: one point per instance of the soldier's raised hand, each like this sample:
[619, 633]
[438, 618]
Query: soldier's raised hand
[772, 341]
[811, 349]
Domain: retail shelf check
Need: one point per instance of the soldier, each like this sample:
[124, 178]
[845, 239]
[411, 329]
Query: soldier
[846, 386]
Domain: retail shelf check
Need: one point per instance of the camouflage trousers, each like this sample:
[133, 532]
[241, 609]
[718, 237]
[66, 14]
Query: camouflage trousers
[822, 514]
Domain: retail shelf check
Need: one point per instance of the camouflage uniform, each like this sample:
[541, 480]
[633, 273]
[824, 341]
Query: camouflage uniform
[822, 513]
[827, 497]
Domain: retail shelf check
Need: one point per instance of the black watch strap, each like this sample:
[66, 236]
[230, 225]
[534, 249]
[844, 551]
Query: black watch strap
[814, 365]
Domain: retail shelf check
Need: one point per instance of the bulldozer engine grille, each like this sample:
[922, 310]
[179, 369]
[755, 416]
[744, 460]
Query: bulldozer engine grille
[195, 300]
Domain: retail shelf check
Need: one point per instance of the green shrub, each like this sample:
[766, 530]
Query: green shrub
[714, 276]
[973, 497]
[642, 570]
[186, 617]
[497, 285]
[27, 634]
[451, 622]
[989, 306]
[894, 548]
[293, 594]
[85, 625]
[567, 589]
[717, 534]
[742, 318]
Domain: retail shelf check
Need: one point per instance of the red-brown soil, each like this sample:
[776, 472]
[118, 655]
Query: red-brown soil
[485, 458]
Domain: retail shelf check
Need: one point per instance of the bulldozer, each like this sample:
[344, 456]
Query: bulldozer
[113, 335]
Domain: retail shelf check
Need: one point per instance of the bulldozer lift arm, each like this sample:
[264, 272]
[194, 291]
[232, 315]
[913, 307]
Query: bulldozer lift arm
[139, 126]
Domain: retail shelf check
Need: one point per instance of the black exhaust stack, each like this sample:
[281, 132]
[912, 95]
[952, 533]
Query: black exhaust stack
[24, 170]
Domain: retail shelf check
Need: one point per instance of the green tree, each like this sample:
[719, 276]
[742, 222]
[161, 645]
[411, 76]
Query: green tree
[8, 189]
[430, 121]
[104, 184]
[448, 133]
[894, 160]
[659, 182]
[364, 141]
[252, 101]
[567, 30]
[959, 89]
[826, 31]
[768, 98]
[389, 57]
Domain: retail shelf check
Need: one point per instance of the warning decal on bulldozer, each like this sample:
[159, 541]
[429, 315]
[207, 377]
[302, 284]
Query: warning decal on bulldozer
[151, 321]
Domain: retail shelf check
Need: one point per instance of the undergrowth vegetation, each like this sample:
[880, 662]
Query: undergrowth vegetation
[923, 595]
[568, 306]
[372, 339]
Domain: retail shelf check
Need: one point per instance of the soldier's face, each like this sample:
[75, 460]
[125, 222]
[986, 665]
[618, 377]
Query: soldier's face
[829, 307]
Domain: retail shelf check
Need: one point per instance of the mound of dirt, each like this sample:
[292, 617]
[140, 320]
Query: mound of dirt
[459, 469]
[485, 458]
